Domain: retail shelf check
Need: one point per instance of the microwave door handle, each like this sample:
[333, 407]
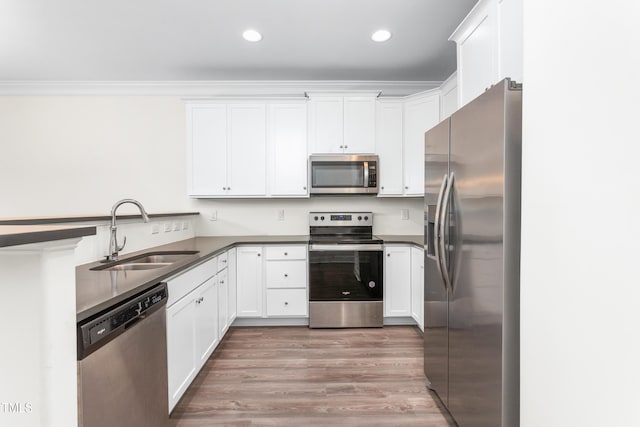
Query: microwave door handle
[366, 174]
[436, 229]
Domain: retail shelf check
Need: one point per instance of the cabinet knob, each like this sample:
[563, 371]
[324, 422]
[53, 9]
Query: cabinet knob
[304, 188]
[341, 146]
[382, 188]
[285, 254]
[286, 303]
[388, 254]
[286, 275]
[224, 260]
[258, 254]
[346, 146]
[228, 188]
[406, 187]
[224, 188]
[222, 282]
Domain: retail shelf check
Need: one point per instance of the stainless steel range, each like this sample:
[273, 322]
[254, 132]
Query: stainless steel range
[345, 271]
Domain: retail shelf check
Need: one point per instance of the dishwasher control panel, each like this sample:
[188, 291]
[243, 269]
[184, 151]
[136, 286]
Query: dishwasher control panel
[99, 330]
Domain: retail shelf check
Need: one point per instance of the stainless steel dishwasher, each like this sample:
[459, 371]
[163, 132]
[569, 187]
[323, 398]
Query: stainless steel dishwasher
[122, 364]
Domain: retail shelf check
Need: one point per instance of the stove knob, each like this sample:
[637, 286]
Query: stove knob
[322, 218]
[366, 218]
[315, 218]
[359, 218]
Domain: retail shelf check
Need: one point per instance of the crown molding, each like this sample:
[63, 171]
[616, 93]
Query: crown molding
[210, 88]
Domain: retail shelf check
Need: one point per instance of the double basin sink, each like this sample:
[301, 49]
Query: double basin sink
[146, 261]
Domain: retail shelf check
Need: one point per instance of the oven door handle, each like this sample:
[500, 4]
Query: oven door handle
[344, 248]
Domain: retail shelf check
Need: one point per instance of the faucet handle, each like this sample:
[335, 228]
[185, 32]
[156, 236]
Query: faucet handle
[118, 249]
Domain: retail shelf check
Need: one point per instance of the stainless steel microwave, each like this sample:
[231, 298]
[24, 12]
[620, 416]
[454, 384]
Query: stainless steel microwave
[343, 174]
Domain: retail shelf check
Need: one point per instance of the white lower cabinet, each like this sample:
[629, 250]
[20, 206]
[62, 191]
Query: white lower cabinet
[273, 285]
[231, 280]
[192, 335]
[206, 324]
[181, 347]
[198, 316]
[249, 281]
[417, 286]
[223, 303]
[287, 302]
[397, 281]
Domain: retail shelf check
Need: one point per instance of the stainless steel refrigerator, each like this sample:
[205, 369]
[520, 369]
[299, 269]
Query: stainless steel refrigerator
[472, 258]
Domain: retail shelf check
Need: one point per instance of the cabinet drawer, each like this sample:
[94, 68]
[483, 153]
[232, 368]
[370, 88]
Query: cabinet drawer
[286, 252]
[286, 274]
[222, 261]
[182, 284]
[287, 302]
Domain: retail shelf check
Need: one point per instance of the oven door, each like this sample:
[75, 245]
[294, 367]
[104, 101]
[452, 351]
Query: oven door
[345, 272]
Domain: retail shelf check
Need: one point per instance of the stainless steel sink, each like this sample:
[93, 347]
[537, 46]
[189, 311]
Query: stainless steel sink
[146, 261]
[137, 266]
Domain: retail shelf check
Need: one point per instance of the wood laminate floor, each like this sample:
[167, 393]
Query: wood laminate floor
[296, 376]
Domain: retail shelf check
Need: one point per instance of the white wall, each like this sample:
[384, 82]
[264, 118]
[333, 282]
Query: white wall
[580, 329]
[67, 155]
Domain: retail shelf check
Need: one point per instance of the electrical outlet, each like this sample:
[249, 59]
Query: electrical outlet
[167, 227]
[280, 214]
[213, 216]
[176, 226]
[404, 214]
[185, 225]
[155, 228]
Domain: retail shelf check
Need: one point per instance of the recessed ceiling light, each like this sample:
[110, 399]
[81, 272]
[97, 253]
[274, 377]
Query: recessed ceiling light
[381, 36]
[252, 36]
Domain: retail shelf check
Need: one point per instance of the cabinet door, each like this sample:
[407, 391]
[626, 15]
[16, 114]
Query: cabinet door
[231, 280]
[359, 124]
[420, 115]
[326, 124]
[287, 302]
[223, 303]
[397, 283]
[207, 149]
[249, 281]
[181, 347]
[206, 320]
[286, 274]
[247, 150]
[417, 286]
[288, 149]
[389, 147]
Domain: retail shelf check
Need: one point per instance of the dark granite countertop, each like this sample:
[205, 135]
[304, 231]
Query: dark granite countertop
[410, 239]
[98, 290]
[14, 235]
[83, 218]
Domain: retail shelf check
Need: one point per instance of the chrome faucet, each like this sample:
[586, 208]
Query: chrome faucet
[113, 241]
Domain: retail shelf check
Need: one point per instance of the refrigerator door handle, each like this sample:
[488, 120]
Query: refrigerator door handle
[443, 223]
[436, 229]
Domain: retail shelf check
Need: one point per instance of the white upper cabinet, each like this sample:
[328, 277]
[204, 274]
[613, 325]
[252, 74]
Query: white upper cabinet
[489, 47]
[342, 124]
[389, 143]
[247, 148]
[207, 149]
[421, 113]
[448, 97]
[287, 143]
[359, 124]
[220, 137]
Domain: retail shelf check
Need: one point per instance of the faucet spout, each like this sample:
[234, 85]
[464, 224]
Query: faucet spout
[113, 240]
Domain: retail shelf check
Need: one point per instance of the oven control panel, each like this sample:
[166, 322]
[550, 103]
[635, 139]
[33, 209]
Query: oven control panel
[346, 219]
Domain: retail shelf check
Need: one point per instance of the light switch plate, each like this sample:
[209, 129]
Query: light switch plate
[404, 214]
[213, 216]
[167, 227]
[155, 228]
[280, 214]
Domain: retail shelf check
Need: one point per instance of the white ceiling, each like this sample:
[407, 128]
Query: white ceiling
[200, 40]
